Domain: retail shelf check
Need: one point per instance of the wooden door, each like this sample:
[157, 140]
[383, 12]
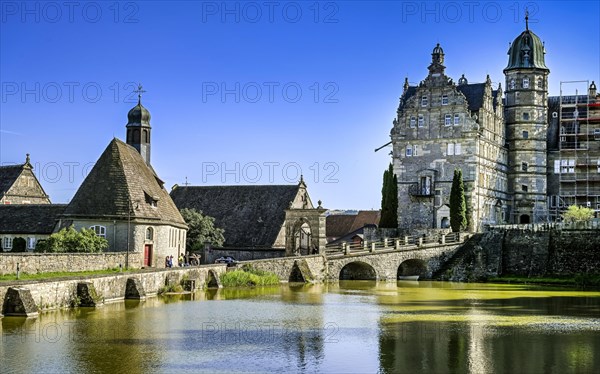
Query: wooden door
[148, 255]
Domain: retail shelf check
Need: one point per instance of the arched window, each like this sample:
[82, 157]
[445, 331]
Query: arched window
[99, 230]
[136, 136]
[146, 138]
[149, 233]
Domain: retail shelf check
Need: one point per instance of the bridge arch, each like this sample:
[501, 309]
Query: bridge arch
[358, 270]
[411, 267]
[296, 275]
[212, 280]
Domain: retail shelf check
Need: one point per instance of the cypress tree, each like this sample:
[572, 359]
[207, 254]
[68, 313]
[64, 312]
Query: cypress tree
[458, 205]
[389, 199]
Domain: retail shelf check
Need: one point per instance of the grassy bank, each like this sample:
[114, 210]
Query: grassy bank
[579, 280]
[248, 277]
[60, 274]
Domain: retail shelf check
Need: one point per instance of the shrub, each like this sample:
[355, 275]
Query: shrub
[70, 240]
[578, 214]
[248, 277]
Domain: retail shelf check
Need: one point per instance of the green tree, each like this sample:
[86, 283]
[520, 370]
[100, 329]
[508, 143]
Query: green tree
[389, 199]
[458, 205]
[578, 214]
[72, 241]
[201, 229]
[19, 245]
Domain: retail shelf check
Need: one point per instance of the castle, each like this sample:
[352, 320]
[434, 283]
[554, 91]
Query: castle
[524, 156]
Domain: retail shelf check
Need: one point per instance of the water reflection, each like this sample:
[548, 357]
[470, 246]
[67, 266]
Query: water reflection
[351, 326]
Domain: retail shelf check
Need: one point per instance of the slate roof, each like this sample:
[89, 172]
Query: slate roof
[29, 218]
[473, 93]
[244, 212]
[119, 176]
[8, 176]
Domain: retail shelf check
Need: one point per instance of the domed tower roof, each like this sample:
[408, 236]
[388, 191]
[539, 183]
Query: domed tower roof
[526, 51]
[138, 115]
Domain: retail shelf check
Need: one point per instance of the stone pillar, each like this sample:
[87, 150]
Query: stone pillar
[365, 244]
[405, 240]
[397, 243]
[18, 302]
[372, 247]
[420, 242]
[385, 242]
[443, 239]
[134, 289]
[346, 248]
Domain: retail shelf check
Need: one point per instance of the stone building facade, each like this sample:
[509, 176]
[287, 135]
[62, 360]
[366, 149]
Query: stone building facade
[442, 126]
[514, 156]
[19, 185]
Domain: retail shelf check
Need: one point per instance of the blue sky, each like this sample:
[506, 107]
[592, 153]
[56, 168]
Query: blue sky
[252, 92]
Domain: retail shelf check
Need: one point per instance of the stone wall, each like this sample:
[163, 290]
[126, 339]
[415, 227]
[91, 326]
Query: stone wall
[60, 293]
[313, 268]
[33, 263]
[526, 253]
[210, 255]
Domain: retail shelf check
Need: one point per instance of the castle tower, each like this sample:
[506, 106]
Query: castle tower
[138, 128]
[526, 114]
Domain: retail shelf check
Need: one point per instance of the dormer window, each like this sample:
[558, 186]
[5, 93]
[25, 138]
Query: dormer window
[424, 101]
[525, 82]
[444, 99]
[151, 199]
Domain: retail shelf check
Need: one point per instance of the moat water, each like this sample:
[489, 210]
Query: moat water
[350, 327]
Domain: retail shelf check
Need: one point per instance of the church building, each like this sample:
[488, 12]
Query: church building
[125, 201]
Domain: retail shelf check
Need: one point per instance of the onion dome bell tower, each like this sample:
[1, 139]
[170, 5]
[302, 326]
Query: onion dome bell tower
[526, 116]
[138, 128]
[437, 61]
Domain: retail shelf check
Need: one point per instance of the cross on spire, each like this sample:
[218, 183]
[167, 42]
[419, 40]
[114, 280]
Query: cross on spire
[186, 182]
[139, 91]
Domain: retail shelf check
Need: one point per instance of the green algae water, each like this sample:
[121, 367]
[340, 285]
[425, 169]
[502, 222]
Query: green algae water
[349, 327]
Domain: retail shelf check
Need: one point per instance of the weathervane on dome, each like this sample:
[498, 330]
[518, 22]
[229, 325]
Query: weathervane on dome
[139, 91]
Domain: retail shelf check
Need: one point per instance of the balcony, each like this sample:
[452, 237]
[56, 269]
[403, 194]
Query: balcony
[421, 189]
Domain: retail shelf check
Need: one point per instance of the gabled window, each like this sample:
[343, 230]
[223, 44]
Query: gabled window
[456, 119]
[424, 101]
[444, 99]
[540, 83]
[447, 120]
[421, 121]
[525, 82]
[99, 230]
[413, 122]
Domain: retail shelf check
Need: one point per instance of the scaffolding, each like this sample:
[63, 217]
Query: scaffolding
[578, 164]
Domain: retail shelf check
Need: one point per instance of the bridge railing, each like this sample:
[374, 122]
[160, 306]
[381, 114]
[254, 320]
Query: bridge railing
[402, 243]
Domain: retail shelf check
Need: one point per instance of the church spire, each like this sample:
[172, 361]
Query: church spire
[138, 127]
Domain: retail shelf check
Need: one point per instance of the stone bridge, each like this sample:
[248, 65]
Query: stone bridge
[387, 263]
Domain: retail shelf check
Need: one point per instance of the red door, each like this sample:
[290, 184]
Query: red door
[148, 255]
